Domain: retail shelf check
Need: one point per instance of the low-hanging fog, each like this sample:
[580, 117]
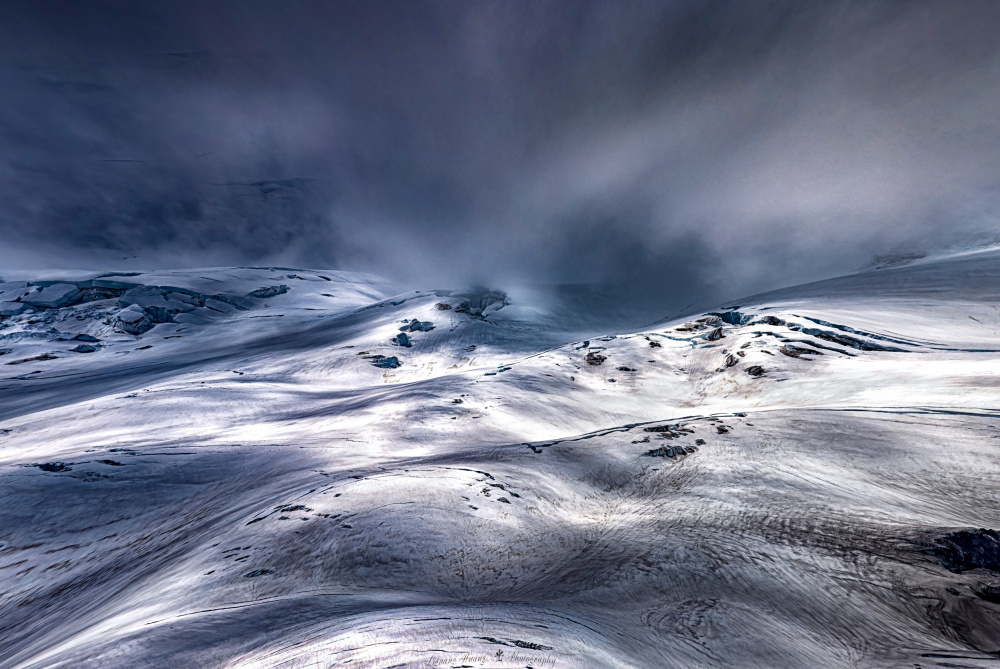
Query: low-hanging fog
[688, 152]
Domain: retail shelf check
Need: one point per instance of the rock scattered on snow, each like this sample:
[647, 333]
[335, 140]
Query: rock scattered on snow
[755, 370]
[54, 467]
[34, 358]
[715, 335]
[797, 351]
[269, 291]
[417, 326]
[84, 348]
[595, 358]
[968, 550]
[402, 339]
[384, 362]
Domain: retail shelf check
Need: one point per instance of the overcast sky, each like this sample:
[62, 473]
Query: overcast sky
[694, 149]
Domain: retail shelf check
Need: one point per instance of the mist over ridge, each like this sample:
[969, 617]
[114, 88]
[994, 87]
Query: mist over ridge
[678, 152]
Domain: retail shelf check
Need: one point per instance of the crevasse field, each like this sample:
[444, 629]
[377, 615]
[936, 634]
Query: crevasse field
[273, 467]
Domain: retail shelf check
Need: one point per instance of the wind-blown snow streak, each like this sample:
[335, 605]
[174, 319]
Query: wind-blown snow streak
[242, 486]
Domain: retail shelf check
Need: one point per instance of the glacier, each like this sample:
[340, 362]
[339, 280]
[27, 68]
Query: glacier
[284, 467]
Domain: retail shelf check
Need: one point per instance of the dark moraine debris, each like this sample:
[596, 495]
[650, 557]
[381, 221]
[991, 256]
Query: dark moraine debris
[384, 362]
[721, 429]
[443, 306]
[769, 320]
[715, 335]
[623, 368]
[967, 550]
[595, 358]
[258, 572]
[84, 348]
[665, 452]
[989, 591]
[699, 442]
[797, 351]
[417, 326]
[54, 467]
[292, 507]
[269, 291]
[755, 370]
[731, 360]
[402, 339]
[655, 344]
[111, 463]
[660, 428]
[36, 358]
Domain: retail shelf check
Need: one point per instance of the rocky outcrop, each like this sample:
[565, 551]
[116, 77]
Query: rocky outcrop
[269, 291]
[417, 326]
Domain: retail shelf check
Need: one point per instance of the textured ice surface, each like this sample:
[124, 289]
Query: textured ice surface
[241, 485]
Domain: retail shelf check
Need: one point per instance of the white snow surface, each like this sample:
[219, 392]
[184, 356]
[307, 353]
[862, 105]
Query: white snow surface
[241, 486]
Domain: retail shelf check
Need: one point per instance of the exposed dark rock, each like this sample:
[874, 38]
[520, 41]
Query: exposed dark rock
[34, 358]
[54, 467]
[402, 339]
[755, 370]
[456, 401]
[417, 326]
[623, 368]
[655, 344]
[967, 550]
[989, 591]
[709, 320]
[699, 442]
[287, 508]
[84, 348]
[731, 360]
[797, 351]
[111, 463]
[595, 358]
[386, 363]
[443, 306]
[87, 338]
[269, 291]
[663, 452]
[715, 335]
[721, 429]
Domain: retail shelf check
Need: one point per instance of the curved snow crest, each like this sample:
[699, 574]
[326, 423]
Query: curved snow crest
[294, 468]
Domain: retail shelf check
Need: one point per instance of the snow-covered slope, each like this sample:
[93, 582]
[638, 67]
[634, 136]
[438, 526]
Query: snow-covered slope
[273, 467]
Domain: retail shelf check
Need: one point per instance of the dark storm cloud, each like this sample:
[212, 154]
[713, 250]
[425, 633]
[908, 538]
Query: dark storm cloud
[693, 150]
